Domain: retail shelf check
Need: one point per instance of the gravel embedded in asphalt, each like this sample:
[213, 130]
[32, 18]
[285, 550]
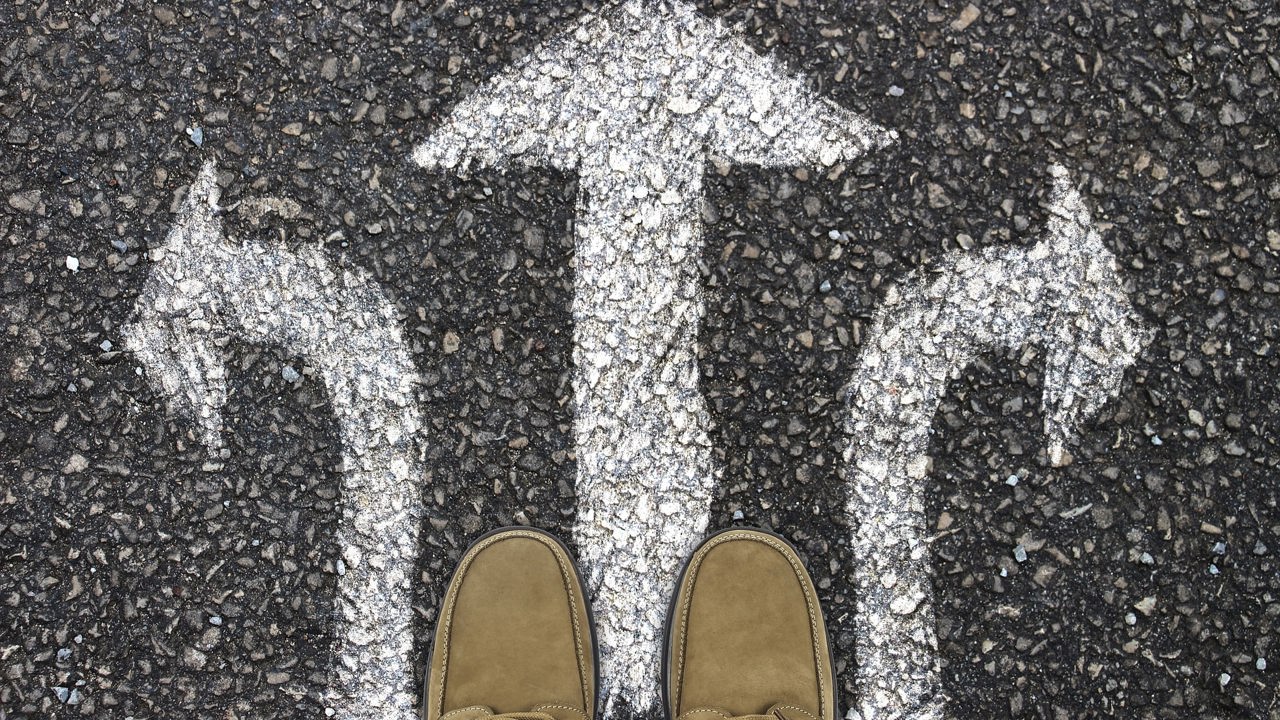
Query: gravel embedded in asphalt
[122, 539]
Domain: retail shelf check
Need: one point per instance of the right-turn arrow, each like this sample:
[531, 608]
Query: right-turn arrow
[1062, 294]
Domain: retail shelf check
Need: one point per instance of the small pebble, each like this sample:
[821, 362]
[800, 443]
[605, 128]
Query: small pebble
[1146, 605]
[73, 263]
[290, 375]
[196, 135]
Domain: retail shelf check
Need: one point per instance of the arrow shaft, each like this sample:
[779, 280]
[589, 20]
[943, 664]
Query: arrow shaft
[645, 470]
[345, 327]
[898, 675]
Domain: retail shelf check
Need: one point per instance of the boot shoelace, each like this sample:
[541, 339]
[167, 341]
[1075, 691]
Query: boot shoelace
[773, 714]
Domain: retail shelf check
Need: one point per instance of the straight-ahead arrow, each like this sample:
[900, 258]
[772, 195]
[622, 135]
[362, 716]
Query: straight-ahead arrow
[635, 99]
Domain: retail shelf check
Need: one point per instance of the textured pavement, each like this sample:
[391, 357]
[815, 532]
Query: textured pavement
[142, 577]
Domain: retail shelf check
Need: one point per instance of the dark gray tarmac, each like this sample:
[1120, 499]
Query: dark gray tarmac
[138, 579]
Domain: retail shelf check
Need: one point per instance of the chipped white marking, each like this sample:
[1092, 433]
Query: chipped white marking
[205, 290]
[1063, 294]
[634, 99]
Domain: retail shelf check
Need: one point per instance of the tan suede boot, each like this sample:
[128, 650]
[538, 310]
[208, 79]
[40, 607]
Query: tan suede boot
[514, 637]
[745, 635]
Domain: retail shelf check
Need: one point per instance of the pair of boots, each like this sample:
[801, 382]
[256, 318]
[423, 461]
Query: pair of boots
[745, 635]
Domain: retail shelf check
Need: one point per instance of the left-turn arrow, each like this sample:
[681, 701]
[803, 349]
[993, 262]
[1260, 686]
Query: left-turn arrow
[204, 290]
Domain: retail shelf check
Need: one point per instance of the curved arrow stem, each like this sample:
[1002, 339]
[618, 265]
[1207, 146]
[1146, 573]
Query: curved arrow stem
[645, 470]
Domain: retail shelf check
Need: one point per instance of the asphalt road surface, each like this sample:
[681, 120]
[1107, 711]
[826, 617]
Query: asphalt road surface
[153, 568]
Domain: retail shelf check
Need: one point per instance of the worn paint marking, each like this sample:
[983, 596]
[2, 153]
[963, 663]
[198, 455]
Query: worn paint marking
[635, 99]
[1062, 294]
[204, 290]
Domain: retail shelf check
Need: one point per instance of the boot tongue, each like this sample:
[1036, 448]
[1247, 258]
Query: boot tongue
[549, 711]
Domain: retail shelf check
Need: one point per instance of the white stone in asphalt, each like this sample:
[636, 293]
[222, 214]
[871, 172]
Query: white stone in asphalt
[1063, 295]
[635, 99]
[205, 290]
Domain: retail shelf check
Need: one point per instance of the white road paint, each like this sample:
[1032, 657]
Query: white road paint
[205, 290]
[1062, 294]
[635, 99]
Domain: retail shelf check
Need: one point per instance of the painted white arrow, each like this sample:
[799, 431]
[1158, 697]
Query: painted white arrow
[635, 99]
[1062, 294]
[202, 291]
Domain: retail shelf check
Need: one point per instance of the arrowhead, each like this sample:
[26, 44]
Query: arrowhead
[642, 78]
[172, 333]
[1095, 333]
[204, 192]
